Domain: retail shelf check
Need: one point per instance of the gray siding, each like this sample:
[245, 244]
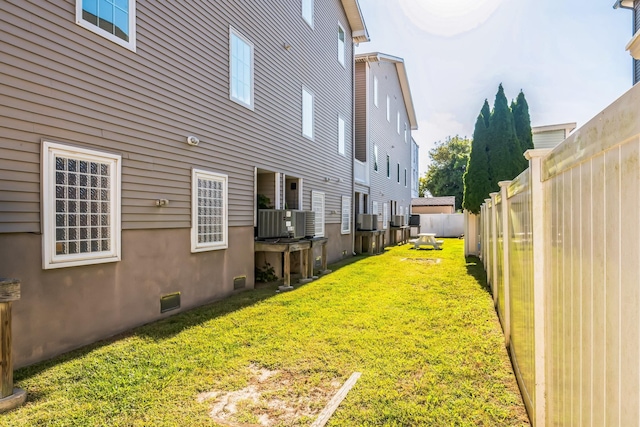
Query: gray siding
[361, 111]
[548, 139]
[65, 84]
[384, 135]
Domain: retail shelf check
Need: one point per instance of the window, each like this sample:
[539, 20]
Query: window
[341, 45]
[317, 206]
[375, 208]
[340, 135]
[112, 19]
[208, 211]
[388, 109]
[81, 206]
[240, 69]
[307, 113]
[405, 177]
[388, 167]
[375, 91]
[345, 223]
[375, 157]
[385, 215]
[398, 173]
[307, 11]
[398, 123]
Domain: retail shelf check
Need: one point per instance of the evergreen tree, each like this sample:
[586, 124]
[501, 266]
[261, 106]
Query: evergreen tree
[520, 109]
[503, 149]
[477, 184]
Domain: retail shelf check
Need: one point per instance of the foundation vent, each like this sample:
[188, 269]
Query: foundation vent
[239, 282]
[169, 302]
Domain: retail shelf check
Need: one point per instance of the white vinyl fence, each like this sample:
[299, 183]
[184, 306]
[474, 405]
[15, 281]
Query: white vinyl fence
[561, 247]
[443, 225]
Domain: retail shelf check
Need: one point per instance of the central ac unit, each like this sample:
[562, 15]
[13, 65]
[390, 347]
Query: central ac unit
[367, 222]
[272, 223]
[310, 226]
[398, 221]
[281, 223]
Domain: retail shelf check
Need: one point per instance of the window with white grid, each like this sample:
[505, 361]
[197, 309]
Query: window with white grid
[81, 206]
[209, 211]
[240, 69]
[345, 227]
[112, 19]
[317, 206]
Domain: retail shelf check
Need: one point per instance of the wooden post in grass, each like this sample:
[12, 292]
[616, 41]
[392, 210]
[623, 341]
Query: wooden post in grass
[9, 397]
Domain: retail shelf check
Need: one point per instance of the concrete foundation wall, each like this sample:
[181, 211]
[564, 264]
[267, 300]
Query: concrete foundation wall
[67, 308]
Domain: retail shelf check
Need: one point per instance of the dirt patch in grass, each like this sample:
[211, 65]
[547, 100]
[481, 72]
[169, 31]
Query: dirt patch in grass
[272, 398]
[422, 260]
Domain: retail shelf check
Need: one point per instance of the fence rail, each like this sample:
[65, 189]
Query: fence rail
[561, 247]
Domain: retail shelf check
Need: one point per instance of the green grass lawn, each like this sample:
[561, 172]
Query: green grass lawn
[418, 324]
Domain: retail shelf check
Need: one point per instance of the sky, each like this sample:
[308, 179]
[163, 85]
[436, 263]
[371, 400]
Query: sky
[567, 56]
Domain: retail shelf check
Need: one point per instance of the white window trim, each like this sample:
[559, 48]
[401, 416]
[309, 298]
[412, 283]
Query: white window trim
[202, 247]
[131, 44]
[374, 209]
[388, 109]
[345, 210]
[375, 91]
[375, 159]
[234, 32]
[319, 218]
[385, 215]
[405, 178]
[50, 259]
[388, 166]
[310, 20]
[341, 59]
[406, 133]
[313, 102]
[398, 122]
[341, 135]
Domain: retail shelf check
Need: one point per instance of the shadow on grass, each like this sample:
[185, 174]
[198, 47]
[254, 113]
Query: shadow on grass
[476, 270]
[170, 326]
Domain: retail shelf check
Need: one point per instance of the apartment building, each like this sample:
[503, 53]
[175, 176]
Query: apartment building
[136, 137]
[634, 44]
[385, 154]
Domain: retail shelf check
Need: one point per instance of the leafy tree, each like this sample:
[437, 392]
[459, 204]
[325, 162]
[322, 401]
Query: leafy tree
[448, 163]
[422, 186]
[522, 121]
[477, 184]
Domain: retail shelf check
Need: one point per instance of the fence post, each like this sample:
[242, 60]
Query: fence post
[506, 272]
[539, 245]
[488, 248]
[494, 249]
[10, 397]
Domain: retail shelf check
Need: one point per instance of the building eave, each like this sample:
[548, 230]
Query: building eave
[359, 31]
[402, 77]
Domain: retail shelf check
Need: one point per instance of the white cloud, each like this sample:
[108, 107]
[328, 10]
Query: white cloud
[448, 17]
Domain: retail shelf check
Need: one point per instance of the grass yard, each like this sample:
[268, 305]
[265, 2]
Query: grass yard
[418, 324]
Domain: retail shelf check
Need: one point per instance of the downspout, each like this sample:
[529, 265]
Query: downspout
[353, 146]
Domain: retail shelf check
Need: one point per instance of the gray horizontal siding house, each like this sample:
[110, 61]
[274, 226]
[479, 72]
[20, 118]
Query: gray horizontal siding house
[385, 157]
[135, 138]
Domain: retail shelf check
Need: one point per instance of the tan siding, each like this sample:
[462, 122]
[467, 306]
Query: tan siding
[65, 84]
